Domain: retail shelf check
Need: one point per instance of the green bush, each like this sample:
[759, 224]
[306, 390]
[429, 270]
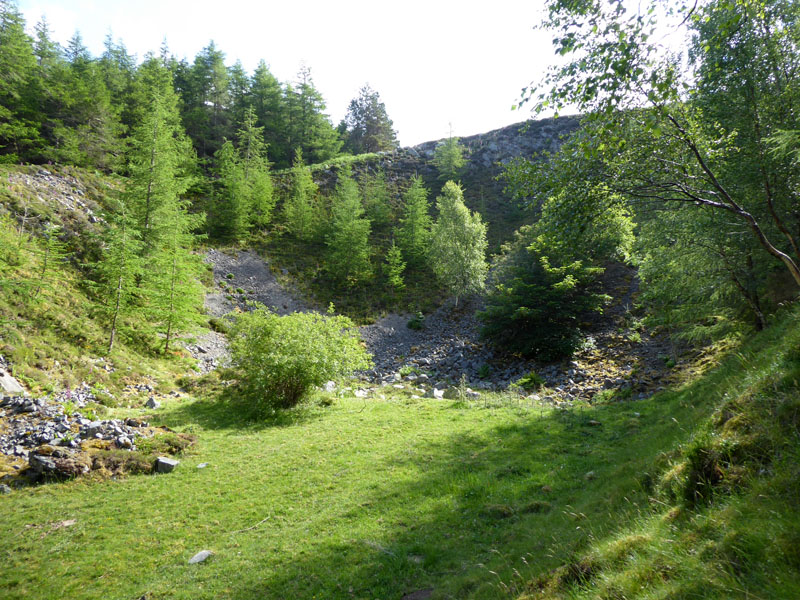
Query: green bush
[531, 381]
[280, 359]
[536, 304]
[417, 322]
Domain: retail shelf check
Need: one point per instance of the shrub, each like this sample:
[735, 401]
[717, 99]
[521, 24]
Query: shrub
[531, 382]
[417, 322]
[279, 359]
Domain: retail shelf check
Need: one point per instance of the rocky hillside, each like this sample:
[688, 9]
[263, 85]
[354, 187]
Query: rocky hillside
[486, 153]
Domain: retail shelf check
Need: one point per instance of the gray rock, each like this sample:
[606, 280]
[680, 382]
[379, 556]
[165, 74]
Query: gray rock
[200, 557]
[166, 465]
[4, 489]
[41, 464]
[202, 465]
[9, 385]
[153, 403]
[329, 386]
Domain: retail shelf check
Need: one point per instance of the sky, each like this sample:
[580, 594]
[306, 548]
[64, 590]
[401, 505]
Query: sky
[434, 63]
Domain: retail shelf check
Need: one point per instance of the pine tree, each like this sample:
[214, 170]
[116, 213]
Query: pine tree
[19, 119]
[206, 97]
[348, 240]
[51, 251]
[368, 127]
[377, 199]
[414, 235]
[230, 212]
[267, 100]
[157, 154]
[448, 156]
[299, 206]
[256, 178]
[395, 267]
[458, 244]
[307, 125]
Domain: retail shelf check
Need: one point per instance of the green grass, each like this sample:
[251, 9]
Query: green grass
[723, 519]
[361, 499]
[377, 498]
[53, 338]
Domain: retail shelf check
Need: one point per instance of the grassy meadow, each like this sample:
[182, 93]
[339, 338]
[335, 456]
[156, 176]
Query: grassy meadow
[360, 499]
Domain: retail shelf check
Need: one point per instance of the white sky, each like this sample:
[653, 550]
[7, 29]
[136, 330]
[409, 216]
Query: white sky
[433, 62]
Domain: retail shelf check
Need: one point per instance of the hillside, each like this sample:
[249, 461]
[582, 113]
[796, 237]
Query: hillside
[486, 154]
[591, 486]
[689, 492]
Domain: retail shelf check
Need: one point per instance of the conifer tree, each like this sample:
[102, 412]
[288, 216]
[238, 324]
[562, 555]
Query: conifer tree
[176, 293]
[395, 267]
[307, 125]
[51, 251]
[19, 121]
[256, 178]
[299, 207]
[415, 225]
[367, 125]
[267, 100]
[448, 156]
[230, 211]
[458, 244]
[377, 199]
[119, 270]
[348, 240]
[155, 177]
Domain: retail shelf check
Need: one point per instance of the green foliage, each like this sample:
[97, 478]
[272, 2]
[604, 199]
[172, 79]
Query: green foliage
[176, 294]
[543, 280]
[531, 381]
[716, 148]
[300, 207]
[348, 238]
[458, 244]
[229, 209]
[414, 235]
[306, 124]
[448, 156]
[367, 127]
[535, 305]
[417, 322]
[377, 199]
[280, 359]
[51, 251]
[118, 271]
[395, 267]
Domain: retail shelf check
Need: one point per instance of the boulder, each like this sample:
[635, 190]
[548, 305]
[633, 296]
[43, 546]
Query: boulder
[166, 465]
[9, 385]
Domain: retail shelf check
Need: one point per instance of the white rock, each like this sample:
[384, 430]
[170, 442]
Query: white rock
[9, 385]
[200, 557]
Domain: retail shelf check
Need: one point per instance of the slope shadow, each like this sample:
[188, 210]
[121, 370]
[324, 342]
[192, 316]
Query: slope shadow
[486, 512]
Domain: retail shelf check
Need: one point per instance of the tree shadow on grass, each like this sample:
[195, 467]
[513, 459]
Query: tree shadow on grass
[477, 508]
[225, 410]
